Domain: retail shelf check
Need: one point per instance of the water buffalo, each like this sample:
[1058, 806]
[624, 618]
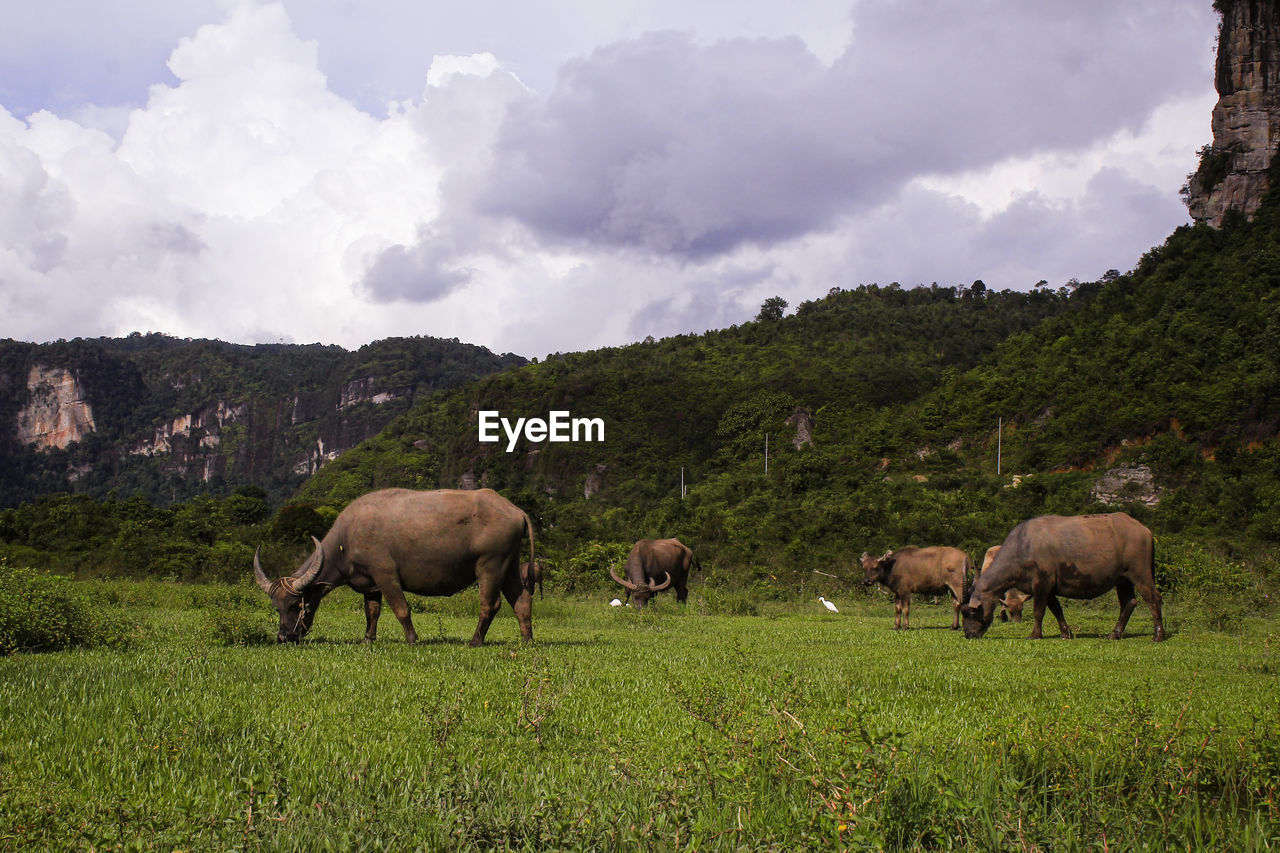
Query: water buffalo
[651, 560]
[929, 571]
[431, 543]
[1077, 557]
[1011, 604]
[535, 572]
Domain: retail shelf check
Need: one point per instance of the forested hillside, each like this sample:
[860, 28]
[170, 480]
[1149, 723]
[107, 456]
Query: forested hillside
[170, 418]
[1169, 371]
[1164, 377]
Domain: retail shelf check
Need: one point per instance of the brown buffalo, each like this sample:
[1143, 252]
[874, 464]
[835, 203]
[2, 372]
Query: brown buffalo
[1076, 557]
[534, 572]
[928, 571]
[654, 560]
[1011, 604]
[395, 541]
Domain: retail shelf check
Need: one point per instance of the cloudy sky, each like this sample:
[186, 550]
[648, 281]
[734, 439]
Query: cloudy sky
[556, 175]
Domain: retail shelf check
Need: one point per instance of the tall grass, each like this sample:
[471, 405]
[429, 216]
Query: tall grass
[671, 728]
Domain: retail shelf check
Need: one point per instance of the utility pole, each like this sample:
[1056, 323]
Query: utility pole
[999, 442]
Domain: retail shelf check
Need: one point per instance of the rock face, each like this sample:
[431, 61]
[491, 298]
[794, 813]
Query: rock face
[802, 420]
[57, 412]
[1234, 172]
[1127, 485]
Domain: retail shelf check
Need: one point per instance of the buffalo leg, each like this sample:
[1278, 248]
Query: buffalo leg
[400, 607]
[1151, 595]
[490, 601]
[1128, 601]
[1037, 613]
[955, 609]
[682, 593]
[521, 601]
[906, 613]
[897, 614]
[372, 610]
[1056, 607]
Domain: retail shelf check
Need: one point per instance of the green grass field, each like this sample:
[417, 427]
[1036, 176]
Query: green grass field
[794, 729]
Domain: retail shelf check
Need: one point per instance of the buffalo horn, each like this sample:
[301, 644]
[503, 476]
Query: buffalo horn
[663, 586]
[628, 584]
[308, 572]
[259, 575]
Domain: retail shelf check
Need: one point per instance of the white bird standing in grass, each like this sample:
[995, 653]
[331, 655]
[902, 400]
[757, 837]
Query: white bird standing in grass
[615, 603]
[828, 605]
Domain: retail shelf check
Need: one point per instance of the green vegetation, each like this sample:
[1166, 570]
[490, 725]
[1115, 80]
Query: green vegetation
[255, 412]
[42, 612]
[793, 730]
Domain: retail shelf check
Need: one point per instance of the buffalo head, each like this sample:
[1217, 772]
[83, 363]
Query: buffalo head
[641, 592]
[877, 569]
[976, 616]
[288, 594]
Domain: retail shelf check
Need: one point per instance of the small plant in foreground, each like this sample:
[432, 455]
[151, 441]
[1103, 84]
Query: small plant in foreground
[40, 612]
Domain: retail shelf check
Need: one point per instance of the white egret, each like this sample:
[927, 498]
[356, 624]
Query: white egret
[828, 605]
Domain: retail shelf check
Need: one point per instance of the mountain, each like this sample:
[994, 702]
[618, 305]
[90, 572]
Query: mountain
[172, 418]
[1235, 170]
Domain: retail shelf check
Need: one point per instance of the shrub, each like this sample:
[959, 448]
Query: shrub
[589, 568]
[1183, 566]
[237, 626]
[235, 615]
[43, 612]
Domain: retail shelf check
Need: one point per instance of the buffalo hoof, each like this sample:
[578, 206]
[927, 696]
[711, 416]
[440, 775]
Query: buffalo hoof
[1114, 635]
[1035, 635]
[1068, 634]
[1159, 636]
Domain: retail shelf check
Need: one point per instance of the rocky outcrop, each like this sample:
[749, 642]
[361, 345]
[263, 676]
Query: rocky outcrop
[1123, 485]
[802, 421]
[1234, 172]
[57, 412]
[203, 429]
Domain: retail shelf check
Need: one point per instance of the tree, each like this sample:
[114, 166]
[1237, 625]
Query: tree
[772, 309]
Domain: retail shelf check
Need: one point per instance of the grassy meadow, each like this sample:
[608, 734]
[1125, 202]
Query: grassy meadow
[674, 728]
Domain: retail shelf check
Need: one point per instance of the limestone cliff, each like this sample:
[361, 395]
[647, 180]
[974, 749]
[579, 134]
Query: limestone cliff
[57, 412]
[1234, 172]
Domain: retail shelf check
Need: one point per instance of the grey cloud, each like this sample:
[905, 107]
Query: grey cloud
[706, 302]
[423, 272]
[663, 145]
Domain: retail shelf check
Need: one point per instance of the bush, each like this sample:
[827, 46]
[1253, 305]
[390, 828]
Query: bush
[235, 615]
[236, 626]
[588, 569]
[1187, 567]
[43, 612]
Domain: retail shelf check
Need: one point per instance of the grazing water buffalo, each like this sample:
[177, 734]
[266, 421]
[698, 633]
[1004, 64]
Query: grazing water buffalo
[394, 541]
[651, 560]
[1011, 604]
[929, 571]
[1077, 557]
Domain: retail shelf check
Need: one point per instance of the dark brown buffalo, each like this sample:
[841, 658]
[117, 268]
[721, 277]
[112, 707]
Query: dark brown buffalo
[1072, 556]
[653, 565]
[928, 571]
[1011, 604]
[390, 542]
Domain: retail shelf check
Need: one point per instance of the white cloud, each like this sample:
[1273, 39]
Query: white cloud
[664, 182]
